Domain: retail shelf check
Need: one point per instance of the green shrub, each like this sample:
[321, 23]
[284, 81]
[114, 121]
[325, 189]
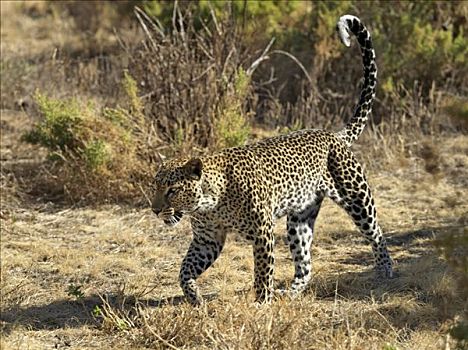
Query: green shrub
[98, 152]
[59, 127]
[232, 126]
[267, 17]
[75, 130]
[134, 103]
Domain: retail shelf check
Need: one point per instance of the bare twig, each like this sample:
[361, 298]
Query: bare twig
[285, 53]
[215, 20]
[181, 29]
[231, 52]
[144, 194]
[164, 341]
[204, 72]
[155, 24]
[264, 56]
[145, 28]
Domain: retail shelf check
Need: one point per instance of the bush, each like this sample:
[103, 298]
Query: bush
[194, 80]
[429, 34]
[97, 152]
[61, 121]
[232, 126]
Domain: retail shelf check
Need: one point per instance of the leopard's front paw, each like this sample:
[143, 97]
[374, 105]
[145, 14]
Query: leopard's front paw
[192, 293]
[264, 297]
[291, 293]
[384, 272]
[196, 300]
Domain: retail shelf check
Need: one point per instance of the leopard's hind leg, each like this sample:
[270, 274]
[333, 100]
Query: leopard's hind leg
[346, 184]
[300, 233]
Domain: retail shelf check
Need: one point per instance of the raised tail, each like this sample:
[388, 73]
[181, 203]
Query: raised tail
[351, 24]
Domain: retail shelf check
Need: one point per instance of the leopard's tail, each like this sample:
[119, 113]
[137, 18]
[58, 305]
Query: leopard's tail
[350, 24]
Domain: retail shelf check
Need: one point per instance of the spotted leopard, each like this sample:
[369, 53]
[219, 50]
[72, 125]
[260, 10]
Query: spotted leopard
[246, 189]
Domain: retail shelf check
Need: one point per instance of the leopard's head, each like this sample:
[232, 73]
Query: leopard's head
[177, 189]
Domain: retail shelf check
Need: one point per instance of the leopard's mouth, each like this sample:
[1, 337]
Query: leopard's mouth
[173, 219]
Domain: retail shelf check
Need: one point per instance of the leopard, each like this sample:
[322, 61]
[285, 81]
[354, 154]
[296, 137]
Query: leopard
[246, 189]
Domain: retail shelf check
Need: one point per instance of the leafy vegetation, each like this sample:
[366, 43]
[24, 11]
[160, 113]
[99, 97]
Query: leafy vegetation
[75, 291]
[92, 146]
[232, 125]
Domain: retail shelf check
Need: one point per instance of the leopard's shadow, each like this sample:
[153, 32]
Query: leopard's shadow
[66, 313]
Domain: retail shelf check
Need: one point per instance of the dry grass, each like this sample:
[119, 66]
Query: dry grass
[59, 263]
[106, 276]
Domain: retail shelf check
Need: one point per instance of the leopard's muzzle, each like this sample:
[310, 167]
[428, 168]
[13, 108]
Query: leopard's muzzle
[170, 216]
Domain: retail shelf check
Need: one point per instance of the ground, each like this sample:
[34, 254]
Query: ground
[106, 276]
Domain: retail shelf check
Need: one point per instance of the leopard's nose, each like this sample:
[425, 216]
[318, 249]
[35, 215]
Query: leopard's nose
[158, 204]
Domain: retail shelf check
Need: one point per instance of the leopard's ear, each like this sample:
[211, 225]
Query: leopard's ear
[193, 168]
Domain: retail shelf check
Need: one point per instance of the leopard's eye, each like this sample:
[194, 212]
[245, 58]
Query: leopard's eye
[172, 191]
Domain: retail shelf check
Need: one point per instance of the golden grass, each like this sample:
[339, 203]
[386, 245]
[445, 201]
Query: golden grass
[106, 276]
[124, 264]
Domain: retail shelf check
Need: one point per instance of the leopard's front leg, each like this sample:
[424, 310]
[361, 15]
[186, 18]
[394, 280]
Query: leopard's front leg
[264, 261]
[203, 251]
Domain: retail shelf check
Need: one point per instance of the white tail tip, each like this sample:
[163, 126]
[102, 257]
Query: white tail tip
[343, 29]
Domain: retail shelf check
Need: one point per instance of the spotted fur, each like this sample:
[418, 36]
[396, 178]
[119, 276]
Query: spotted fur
[246, 189]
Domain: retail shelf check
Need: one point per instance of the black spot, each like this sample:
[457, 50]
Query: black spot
[366, 60]
[355, 27]
[361, 36]
[359, 201]
[368, 44]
